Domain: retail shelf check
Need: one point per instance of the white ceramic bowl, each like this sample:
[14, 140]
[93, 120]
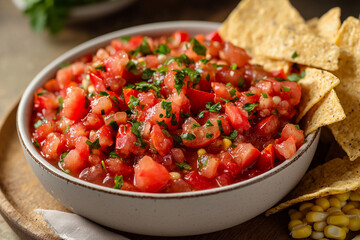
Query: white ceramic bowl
[175, 214]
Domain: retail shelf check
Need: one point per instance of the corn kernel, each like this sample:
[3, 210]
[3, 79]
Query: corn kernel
[317, 235]
[346, 229]
[201, 152]
[319, 226]
[305, 206]
[354, 219]
[301, 232]
[322, 202]
[356, 204]
[335, 232]
[347, 207]
[333, 211]
[334, 202]
[226, 143]
[316, 216]
[317, 208]
[296, 215]
[355, 196]
[339, 220]
[294, 223]
[175, 175]
[343, 197]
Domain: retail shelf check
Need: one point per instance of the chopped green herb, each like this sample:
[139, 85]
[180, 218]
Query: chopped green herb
[162, 49]
[232, 92]
[250, 106]
[280, 79]
[225, 100]
[208, 124]
[232, 136]
[103, 94]
[241, 82]
[114, 125]
[102, 112]
[204, 60]
[93, 145]
[264, 95]
[101, 68]
[296, 77]
[147, 74]
[193, 74]
[36, 143]
[249, 94]
[166, 132]
[134, 101]
[119, 181]
[113, 154]
[132, 67]
[177, 139]
[162, 124]
[297, 126]
[173, 120]
[63, 156]
[294, 55]
[115, 101]
[184, 115]
[195, 125]
[103, 166]
[179, 80]
[61, 103]
[201, 114]
[183, 166]
[67, 129]
[202, 165]
[220, 126]
[207, 77]
[198, 48]
[38, 123]
[41, 93]
[213, 107]
[144, 47]
[209, 135]
[188, 136]
[125, 38]
[87, 102]
[167, 107]
[285, 89]
[182, 59]
[233, 67]
[144, 86]
[135, 129]
[64, 65]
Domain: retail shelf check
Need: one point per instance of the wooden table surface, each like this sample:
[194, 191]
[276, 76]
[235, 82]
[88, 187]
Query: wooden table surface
[23, 53]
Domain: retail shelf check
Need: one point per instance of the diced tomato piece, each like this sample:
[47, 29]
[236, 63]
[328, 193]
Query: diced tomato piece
[197, 181]
[279, 74]
[45, 101]
[286, 149]
[134, 42]
[52, 85]
[245, 154]
[74, 161]
[44, 130]
[105, 135]
[250, 174]
[150, 176]
[178, 185]
[128, 92]
[235, 55]
[238, 117]
[82, 147]
[268, 126]
[118, 117]
[115, 64]
[101, 105]
[117, 167]
[227, 75]
[214, 36]
[151, 61]
[126, 142]
[54, 146]
[75, 104]
[290, 130]
[180, 36]
[209, 166]
[199, 99]
[224, 179]
[93, 121]
[97, 82]
[266, 159]
[73, 132]
[162, 143]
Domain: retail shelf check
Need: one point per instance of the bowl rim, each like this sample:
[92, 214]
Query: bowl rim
[102, 40]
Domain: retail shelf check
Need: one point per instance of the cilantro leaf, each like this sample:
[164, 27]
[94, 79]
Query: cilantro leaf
[294, 55]
[213, 107]
[162, 49]
[198, 48]
[232, 136]
[250, 106]
[167, 107]
[179, 80]
[147, 74]
[183, 166]
[296, 77]
[134, 101]
[188, 136]
[113, 154]
[119, 181]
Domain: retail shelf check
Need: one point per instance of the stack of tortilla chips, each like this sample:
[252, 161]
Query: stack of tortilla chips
[276, 36]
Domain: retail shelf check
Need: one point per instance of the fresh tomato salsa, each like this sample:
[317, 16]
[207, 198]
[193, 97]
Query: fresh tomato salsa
[166, 114]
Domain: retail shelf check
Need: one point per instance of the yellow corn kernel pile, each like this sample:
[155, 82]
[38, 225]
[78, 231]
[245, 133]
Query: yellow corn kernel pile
[329, 217]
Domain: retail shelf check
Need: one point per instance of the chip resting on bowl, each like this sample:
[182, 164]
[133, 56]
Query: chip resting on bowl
[337, 176]
[347, 132]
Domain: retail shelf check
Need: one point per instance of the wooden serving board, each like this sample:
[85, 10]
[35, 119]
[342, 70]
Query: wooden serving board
[21, 193]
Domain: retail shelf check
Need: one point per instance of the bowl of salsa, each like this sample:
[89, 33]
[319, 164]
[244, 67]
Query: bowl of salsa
[164, 121]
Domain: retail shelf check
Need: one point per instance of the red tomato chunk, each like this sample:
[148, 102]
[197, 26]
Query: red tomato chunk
[167, 114]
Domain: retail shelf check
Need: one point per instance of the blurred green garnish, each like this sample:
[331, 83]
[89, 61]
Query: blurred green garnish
[51, 14]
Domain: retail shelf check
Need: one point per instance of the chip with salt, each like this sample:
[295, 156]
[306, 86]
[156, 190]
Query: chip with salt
[311, 50]
[324, 113]
[347, 132]
[253, 20]
[329, 24]
[314, 86]
[336, 176]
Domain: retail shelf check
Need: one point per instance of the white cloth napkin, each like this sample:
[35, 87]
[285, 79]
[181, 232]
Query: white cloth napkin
[70, 226]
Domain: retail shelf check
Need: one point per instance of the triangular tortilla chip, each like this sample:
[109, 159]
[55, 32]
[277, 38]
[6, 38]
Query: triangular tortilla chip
[334, 177]
[314, 86]
[271, 65]
[347, 132]
[329, 24]
[324, 113]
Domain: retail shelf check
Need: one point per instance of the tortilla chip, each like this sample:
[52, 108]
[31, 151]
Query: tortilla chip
[271, 65]
[329, 24]
[334, 177]
[312, 24]
[252, 20]
[347, 132]
[314, 86]
[311, 49]
[324, 113]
